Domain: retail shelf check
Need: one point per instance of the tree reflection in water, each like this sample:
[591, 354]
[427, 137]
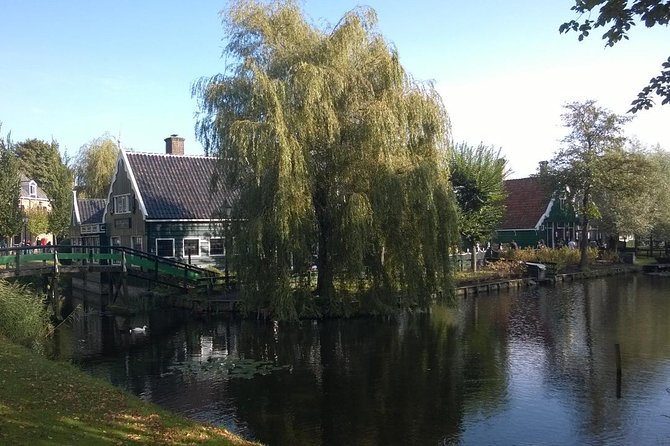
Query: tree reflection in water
[531, 366]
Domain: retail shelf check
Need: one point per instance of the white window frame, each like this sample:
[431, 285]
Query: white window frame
[159, 239]
[183, 247]
[118, 207]
[134, 246]
[32, 189]
[223, 240]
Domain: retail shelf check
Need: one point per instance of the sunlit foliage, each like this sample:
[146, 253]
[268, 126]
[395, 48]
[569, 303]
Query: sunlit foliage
[591, 163]
[477, 174]
[95, 165]
[10, 188]
[617, 17]
[335, 150]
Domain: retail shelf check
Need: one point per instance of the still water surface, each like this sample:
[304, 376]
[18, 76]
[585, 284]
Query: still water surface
[536, 366]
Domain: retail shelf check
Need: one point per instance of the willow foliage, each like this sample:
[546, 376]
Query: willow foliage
[95, 165]
[334, 149]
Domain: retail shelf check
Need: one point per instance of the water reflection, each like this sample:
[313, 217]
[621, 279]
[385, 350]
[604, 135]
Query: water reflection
[535, 366]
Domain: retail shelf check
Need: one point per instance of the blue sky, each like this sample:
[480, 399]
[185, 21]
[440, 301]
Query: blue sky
[73, 70]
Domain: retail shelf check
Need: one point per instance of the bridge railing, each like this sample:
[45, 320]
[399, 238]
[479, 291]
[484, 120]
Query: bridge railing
[27, 258]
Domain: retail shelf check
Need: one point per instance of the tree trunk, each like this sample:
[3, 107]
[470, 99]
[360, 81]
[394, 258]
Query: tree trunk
[473, 257]
[584, 239]
[324, 284]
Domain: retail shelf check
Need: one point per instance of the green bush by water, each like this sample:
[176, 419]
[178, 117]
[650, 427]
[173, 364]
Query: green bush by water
[23, 315]
[563, 258]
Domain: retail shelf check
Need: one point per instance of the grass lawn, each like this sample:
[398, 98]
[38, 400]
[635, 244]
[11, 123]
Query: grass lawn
[52, 403]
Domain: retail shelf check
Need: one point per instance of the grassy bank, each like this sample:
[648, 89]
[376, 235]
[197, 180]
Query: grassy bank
[48, 403]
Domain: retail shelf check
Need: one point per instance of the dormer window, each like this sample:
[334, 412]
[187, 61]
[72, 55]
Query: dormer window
[32, 189]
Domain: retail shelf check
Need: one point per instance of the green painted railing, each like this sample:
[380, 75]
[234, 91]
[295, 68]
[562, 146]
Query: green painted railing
[27, 258]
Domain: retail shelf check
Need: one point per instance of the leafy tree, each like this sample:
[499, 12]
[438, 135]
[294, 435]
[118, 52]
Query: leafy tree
[60, 196]
[331, 145]
[42, 162]
[627, 198]
[618, 17]
[660, 160]
[477, 175]
[95, 165]
[37, 160]
[37, 220]
[10, 188]
[583, 167]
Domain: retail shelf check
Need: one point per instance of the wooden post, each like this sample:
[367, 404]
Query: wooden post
[55, 261]
[185, 277]
[54, 295]
[617, 352]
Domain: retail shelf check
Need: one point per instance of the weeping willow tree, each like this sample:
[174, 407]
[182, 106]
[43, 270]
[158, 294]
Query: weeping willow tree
[335, 152]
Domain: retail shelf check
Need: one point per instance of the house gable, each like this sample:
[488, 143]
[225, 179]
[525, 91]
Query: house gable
[527, 204]
[30, 192]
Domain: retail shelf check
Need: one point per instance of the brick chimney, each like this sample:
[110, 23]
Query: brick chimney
[174, 145]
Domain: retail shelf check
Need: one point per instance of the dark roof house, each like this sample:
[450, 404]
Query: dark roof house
[163, 203]
[526, 204]
[533, 214]
[88, 210]
[173, 187]
[31, 191]
[86, 223]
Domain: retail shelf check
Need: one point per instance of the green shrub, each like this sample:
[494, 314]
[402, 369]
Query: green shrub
[563, 258]
[23, 315]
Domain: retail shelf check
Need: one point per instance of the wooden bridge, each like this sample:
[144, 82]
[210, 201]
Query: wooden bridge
[58, 259]
[117, 263]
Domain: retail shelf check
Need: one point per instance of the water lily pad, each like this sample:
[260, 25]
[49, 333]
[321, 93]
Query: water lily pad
[245, 368]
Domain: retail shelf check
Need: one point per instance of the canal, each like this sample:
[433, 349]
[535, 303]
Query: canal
[534, 366]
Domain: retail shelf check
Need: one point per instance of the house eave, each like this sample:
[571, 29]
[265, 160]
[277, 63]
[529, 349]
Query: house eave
[545, 215]
[186, 220]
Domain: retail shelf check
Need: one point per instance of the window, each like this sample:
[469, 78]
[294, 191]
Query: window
[217, 247]
[165, 247]
[191, 246]
[32, 186]
[122, 223]
[122, 204]
[136, 243]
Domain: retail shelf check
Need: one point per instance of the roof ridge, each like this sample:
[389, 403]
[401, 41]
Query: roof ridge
[167, 155]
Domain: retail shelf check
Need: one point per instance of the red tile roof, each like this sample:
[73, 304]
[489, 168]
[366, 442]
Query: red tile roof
[526, 203]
